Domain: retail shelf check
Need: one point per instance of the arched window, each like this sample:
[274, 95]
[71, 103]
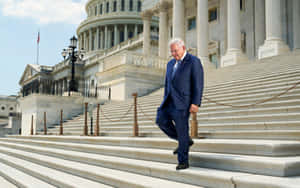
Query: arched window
[131, 5]
[101, 8]
[96, 11]
[192, 23]
[212, 14]
[107, 7]
[139, 8]
[122, 5]
[115, 6]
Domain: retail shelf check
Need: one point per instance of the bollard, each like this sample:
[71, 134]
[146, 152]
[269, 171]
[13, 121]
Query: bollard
[31, 129]
[61, 123]
[85, 130]
[45, 125]
[194, 126]
[135, 125]
[97, 121]
[91, 125]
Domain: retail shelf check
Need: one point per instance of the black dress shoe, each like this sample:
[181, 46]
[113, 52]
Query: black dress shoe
[191, 142]
[182, 166]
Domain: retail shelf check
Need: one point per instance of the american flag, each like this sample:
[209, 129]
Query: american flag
[38, 39]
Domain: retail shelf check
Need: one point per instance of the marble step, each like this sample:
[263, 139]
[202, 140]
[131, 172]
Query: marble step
[257, 125]
[252, 117]
[273, 166]
[110, 128]
[6, 184]
[55, 177]
[87, 172]
[285, 79]
[150, 126]
[237, 101]
[150, 116]
[253, 134]
[127, 133]
[15, 178]
[235, 134]
[231, 146]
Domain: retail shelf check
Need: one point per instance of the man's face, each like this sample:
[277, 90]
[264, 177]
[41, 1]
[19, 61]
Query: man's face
[177, 51]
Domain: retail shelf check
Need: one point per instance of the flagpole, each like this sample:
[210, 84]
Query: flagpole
[38, 48]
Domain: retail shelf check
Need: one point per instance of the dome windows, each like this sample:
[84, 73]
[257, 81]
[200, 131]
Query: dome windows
[130, 5]
[115, 6]
[123, 5]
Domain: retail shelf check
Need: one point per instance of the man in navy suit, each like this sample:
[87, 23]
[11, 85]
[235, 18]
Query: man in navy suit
[182, 96]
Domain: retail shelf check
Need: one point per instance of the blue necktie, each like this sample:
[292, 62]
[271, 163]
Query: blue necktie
[176, 66]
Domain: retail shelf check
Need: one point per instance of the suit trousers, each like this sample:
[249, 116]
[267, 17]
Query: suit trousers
[175, 124]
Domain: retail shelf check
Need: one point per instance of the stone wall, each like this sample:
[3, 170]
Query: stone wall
[35, 105]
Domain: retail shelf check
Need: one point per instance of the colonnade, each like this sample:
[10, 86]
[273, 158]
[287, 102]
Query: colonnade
[269, 31]
[104, 37]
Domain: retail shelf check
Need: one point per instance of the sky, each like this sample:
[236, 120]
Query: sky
[20, 22]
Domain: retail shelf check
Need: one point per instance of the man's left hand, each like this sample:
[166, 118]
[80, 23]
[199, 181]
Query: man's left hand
[194, 108]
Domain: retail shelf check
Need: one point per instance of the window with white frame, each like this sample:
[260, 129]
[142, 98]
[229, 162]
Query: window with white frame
[212, 14]
[192, 23]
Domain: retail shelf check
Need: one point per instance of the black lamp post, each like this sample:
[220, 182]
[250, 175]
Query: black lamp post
[73, 55]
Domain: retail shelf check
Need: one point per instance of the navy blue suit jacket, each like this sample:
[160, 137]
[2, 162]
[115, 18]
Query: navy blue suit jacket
[186, 87]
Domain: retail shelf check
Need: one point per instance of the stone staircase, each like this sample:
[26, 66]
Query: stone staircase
[244, 147]
[242, 85]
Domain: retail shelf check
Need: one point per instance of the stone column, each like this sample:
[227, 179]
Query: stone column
[163, 49]
[97, 39]
[79, 41]
[178, 19]
[135, 30]
[102, 39]
[85, 41]
[296, 24]
[260, 31]
[147, 16]
[116, 42]
[125, 32]
[202, 31]
[126, 6]
[118, 5]
[105, 37]
[274, 44]
[90, 39]
[82, 41]
[234, 53]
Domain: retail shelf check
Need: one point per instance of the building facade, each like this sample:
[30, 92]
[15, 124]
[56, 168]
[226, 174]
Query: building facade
[227, 32]
[126, 42]
[113, 66]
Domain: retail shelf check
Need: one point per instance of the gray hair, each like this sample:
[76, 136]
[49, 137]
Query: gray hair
[177, 41]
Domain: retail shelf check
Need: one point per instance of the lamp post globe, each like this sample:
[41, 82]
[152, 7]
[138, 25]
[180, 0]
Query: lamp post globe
[73, 56]
[73, 42]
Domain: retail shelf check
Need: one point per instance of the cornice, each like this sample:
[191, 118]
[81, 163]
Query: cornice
[113, 18]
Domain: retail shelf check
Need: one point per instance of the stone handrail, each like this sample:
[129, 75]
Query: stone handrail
[146, 61]
[61, 65]
[136, 59]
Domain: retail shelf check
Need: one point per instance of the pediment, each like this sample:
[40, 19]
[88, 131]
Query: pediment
[29, 72]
